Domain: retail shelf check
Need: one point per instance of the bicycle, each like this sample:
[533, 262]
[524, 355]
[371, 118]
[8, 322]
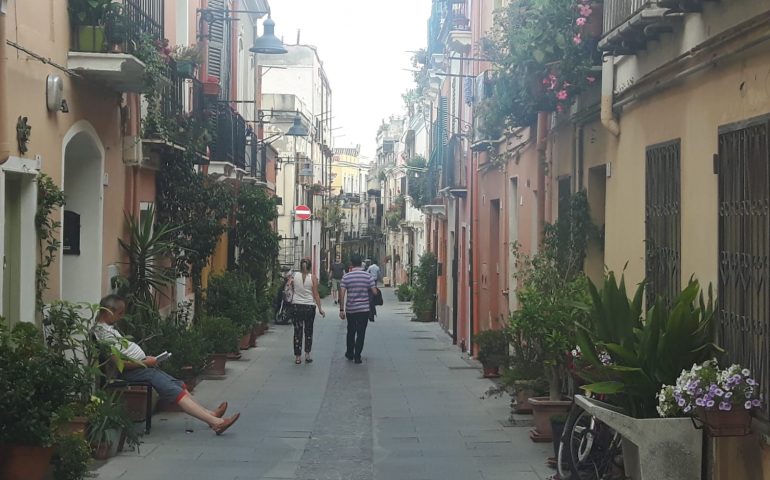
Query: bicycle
[588, 449]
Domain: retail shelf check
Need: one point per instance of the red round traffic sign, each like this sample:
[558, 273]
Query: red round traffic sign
[302, 212]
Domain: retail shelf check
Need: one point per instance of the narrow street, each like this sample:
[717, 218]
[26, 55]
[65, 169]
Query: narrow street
[411, 411]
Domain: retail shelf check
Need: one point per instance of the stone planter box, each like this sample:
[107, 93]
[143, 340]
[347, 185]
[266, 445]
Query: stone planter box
[653, 448]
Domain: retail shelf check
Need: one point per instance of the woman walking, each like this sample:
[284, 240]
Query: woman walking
[305, 286]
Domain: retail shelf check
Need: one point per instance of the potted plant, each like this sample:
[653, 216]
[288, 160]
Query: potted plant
[404, 292]
[187, 58]
[233, 295]
[87, 18]
[631, 360]
[109, 425]
[115, 26]
[424, 296]
[73, 454]
[36, 384]
[493, 351]
[211, 86]
[722, 400]
[220, 336]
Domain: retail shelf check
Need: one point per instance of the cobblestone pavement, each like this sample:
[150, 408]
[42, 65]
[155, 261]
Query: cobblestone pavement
[411, 411]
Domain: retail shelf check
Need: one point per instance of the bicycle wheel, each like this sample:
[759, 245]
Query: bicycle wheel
[588, 449]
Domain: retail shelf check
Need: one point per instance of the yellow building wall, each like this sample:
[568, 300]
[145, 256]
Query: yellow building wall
[693, 112]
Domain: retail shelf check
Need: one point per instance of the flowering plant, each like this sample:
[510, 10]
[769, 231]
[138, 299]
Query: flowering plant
[546, 53]
[708, 387]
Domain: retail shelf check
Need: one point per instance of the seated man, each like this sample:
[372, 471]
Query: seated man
[141, 368]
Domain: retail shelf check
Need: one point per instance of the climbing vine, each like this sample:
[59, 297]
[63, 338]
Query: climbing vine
[257, 242]
[49, 197]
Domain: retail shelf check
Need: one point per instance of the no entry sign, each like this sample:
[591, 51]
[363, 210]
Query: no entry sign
[302, 212]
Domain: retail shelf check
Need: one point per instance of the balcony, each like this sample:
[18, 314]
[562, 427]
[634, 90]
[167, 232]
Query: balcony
[229, 144]
[456, 27]
[630, 24]
[106, 53]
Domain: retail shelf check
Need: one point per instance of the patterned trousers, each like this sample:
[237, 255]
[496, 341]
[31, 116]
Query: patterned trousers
[304, 315]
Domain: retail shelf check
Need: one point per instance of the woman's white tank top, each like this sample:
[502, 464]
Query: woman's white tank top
[303, 291]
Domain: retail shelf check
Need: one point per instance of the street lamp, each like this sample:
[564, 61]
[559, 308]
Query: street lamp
[268, 43]
[297, 129]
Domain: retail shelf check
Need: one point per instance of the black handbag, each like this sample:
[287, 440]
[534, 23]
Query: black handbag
[377, 297]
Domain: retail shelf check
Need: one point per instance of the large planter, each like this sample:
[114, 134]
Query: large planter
[217, 362]
[76, 426]
[245, 341]
[725, 424]
[653, 448]
[135, 402]
[211, 88]
[24, 462]
[543, 409]
[91, 39]
[253, 334]
[491, 372]
[424, 316]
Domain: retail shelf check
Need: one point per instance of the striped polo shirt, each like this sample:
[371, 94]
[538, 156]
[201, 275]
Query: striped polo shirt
[357, 285]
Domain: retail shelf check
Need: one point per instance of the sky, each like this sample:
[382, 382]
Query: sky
[364, 46]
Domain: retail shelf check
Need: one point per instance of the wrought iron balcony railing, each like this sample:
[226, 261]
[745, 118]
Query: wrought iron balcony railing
[123, 28]
[229, 144]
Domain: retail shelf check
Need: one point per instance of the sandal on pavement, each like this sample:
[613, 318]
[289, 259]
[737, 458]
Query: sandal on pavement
[220, 429]
[221, 409]
[297, 361]
[308, 360]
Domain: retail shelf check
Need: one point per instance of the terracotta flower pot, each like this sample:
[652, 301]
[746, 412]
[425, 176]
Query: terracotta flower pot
[76, 426]
[217, 363]
[24, 462]
[135, 402]
[102, 451]
[543, 409]
[245, 340]
[736, 423]
[491, 372]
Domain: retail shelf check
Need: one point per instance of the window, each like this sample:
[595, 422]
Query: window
[663, 221]
[743, 167]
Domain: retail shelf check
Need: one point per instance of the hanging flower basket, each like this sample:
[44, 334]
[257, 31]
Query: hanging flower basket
[724, 424]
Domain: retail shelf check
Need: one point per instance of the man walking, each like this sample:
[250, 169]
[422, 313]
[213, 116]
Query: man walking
[336, 273]
[374, 271]
[355, 290]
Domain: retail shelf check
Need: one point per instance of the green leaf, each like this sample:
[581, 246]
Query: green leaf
[604, 388]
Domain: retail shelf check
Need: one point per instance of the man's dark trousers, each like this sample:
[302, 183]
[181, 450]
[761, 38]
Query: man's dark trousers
[356, 332]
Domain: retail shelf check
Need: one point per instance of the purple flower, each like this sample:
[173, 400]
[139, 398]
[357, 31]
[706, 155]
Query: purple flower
[687, 408]
[680, 401]
[725, 406]
[751, 381]
[756, 403]
[747, 405]
[728, 394]
[719, 392]
[699, 402]
[710, 403]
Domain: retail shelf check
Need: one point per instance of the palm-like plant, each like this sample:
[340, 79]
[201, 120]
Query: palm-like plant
[148, 247]
[633, 354]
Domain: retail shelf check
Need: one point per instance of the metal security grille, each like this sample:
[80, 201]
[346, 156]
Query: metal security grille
[743, 166]
[663, 229]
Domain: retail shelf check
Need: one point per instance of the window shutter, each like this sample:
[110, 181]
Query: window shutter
[444, 119]
[216, 40]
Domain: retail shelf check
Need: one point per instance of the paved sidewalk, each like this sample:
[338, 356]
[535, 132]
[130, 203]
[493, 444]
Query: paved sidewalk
[412, 411]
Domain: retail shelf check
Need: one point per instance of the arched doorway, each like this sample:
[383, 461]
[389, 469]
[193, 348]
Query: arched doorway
[81, 265]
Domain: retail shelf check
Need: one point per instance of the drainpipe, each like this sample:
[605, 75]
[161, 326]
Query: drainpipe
[608, 89]
[5, 148]
[541, 146]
